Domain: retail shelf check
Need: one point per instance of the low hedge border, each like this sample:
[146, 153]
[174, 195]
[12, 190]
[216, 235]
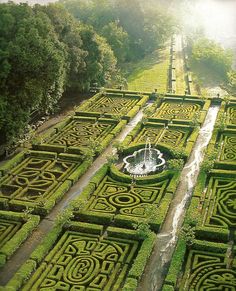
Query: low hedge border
[176, 263]
[12, 163]
[144, 253]
[20, 236]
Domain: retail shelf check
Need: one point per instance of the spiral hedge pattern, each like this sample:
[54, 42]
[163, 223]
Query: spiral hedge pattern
[34, 179]
[82, 133]
[80, 261]
[208, 271]
[228, 150]
[8, 228]
[119, 198]
[116, 105]
[173, 110]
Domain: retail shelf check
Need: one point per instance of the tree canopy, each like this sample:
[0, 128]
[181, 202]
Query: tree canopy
[47, 50]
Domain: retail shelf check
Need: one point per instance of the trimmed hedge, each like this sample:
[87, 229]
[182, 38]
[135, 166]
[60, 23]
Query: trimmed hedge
[144, 253]
[176, 263]
[21, 234]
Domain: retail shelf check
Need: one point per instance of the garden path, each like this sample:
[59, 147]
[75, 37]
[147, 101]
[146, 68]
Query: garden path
[180, 66]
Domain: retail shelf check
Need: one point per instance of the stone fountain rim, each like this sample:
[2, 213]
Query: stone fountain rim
[160, 154]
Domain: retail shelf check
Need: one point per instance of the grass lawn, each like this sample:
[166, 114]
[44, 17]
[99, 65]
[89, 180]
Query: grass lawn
[150, 73]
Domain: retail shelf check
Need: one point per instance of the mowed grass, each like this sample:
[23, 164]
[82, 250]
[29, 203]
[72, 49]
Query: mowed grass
[150, 73]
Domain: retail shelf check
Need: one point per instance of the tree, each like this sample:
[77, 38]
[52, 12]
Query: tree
[212, 56]
[117, 38]
[32, 67]
[67, 29]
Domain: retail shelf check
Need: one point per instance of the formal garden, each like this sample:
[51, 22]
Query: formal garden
[74, 198]
[97, 246]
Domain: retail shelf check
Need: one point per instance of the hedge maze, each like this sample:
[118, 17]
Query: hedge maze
[175, 110]
[81, 260]
[228, 147]
[171, 136]
[114, 104]
[85, 256]
[207, 262]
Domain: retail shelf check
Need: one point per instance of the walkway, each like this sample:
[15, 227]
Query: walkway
[166, 239]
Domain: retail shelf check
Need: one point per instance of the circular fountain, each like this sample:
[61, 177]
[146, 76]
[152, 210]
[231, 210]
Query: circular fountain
[144, 161]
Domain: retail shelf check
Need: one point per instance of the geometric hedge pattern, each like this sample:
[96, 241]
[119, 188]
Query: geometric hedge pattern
[113, 197]
[208, 271]
[8, 229]
[170, 137]
[115, 105]
[231, 115]
[228, 149]
[80, 261]
[81, 133]
[173, 110]
[35, 178]
[220, 205]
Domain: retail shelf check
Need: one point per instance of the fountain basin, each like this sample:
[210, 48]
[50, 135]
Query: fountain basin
[140, 163]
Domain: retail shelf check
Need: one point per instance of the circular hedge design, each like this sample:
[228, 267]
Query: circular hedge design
[208, 271]
[119, 198]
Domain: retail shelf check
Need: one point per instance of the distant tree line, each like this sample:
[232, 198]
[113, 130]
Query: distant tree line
[217, 60]
[48, 50]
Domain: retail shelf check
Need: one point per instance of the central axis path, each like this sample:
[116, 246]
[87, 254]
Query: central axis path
[166, 239]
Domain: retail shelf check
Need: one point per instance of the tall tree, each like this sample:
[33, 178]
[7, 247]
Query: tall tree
[32, 66]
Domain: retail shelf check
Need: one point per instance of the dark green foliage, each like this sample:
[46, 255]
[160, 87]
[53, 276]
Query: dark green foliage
[34, 67]
[176, 263]
[143, 255]
[130, 285]
[45, 51]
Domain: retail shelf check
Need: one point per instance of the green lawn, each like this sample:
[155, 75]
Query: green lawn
[150, 73]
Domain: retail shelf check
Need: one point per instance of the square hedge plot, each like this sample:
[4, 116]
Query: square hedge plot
[84, 256]
[171, 136]
[231, 114]
[177, 110]
[227, 145]
[39, 180]
[113, 104]
[206, 266]
[125, 202]
[82, 132]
